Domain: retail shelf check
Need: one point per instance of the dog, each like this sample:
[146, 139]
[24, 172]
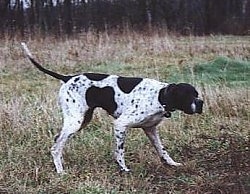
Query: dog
[133, 102]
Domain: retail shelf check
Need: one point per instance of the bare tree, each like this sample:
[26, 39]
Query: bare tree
[72, 16]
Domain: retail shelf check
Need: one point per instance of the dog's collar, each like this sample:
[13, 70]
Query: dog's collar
[167, 113]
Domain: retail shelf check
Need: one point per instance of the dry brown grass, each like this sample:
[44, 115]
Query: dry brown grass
[214, 146]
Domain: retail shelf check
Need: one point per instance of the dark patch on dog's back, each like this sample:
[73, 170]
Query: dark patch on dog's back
[101, 97]
[76, 79]
[96, 76]
[127, 84]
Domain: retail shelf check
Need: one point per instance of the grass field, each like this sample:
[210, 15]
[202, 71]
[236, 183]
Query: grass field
[213, 146]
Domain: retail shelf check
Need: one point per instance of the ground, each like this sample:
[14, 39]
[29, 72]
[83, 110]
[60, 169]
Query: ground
[214, 146]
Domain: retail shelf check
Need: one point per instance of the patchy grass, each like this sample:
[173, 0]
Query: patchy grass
[213, 146]
[224, 71]
[221, 70]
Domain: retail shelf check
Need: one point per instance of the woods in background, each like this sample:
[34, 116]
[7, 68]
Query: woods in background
[68, 17]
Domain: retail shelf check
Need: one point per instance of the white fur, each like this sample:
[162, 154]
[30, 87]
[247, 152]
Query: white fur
[25, 48]
[193, 107]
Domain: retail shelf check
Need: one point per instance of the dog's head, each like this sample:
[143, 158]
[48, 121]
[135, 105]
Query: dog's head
[182, 97]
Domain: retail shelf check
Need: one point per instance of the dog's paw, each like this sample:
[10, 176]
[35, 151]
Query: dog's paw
[61, 172]
[171, 162]
[174, 165]
[126, 170]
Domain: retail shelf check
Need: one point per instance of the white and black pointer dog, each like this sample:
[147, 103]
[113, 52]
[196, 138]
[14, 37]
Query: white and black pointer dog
[133, 102]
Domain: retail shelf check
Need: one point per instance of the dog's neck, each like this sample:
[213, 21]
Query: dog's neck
[164, 99]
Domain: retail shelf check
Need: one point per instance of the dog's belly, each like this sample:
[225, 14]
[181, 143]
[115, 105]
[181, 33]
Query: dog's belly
[151, 120]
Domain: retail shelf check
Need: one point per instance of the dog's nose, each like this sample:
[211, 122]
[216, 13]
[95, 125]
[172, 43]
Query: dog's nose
[199, 105]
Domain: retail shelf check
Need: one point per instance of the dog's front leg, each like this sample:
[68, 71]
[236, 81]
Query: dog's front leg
[155, 140]
[120, 134]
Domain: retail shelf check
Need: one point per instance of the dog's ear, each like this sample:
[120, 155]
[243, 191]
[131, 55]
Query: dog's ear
[170, 90]
[167, 96]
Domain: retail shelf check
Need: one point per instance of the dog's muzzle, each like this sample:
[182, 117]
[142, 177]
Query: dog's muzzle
[198, 105]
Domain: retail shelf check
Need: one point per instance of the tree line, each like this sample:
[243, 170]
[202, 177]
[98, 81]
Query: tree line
[69, 17]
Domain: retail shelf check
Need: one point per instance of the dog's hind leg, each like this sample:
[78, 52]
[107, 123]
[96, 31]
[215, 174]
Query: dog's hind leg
[155, 140]
[71, 125]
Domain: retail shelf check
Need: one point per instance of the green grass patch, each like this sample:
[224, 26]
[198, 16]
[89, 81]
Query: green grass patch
[222, 70]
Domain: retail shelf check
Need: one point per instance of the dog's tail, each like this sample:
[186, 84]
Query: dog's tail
[64, 78]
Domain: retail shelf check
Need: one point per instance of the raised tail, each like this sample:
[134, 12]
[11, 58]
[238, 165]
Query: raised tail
[64, 78]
